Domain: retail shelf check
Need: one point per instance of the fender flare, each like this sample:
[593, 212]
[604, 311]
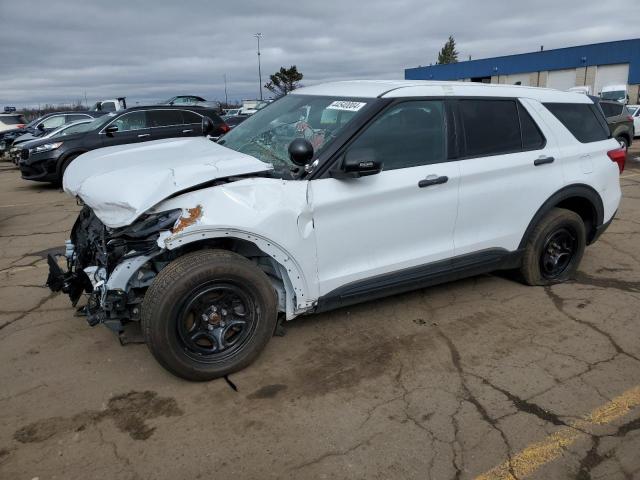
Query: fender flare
[579, 190]
[293, 274]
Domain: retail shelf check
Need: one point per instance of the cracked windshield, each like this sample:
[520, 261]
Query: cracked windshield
[268, 133]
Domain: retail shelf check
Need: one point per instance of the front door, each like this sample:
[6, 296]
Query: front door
[132, 128]
[398, 220]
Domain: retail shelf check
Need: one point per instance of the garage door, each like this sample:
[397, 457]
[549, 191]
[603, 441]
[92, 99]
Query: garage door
[611, 75]
[523, 78]
[562, 79]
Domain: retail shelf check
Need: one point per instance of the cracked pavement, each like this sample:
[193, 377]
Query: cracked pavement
[481, 378]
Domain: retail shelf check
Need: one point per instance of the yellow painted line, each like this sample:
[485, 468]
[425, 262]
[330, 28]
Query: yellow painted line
[537, 454]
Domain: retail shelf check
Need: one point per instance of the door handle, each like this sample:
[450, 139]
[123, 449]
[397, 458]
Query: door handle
[143, 135]
[427, 182]
[187, 131]
[543, 161]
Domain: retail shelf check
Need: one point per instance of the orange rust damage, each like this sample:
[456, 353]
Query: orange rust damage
[193, 214]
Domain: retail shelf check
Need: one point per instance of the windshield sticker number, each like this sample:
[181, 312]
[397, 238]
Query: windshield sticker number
[346, 106]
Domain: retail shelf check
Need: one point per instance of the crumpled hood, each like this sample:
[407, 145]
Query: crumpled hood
[120, 183]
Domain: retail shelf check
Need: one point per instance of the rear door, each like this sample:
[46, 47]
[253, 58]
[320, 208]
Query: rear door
[192, 124]
[398, 220]
[508, 170]
[165, 123]
[132, 128]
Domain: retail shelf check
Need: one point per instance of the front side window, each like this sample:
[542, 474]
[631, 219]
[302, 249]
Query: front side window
[267, 134]
[580, 119]
[53, 122]
[491, 127]
[131, 121]
[164, 118]
[407, 135]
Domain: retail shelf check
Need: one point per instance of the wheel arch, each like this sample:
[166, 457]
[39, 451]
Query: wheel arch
[294, 295]
[579, 198]
[64, 158]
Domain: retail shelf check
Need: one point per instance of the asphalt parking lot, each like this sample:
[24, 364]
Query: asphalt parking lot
[481, 378]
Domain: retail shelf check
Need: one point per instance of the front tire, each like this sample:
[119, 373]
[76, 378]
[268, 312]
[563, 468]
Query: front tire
[208, 314]
[554, 248]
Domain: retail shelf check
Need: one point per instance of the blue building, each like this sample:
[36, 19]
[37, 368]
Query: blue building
[594, 67]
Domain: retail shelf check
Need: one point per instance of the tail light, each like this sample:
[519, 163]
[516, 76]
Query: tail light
[20, 125]
[630, 118]
[224, 128]
[619, 155]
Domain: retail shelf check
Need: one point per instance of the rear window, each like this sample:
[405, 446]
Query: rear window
[581, 120]
[12, 120]
[611, 109]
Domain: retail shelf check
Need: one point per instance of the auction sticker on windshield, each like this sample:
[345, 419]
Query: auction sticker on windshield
[345, 105]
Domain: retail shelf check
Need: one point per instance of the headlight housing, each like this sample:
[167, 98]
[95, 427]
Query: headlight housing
[150, 224]
[46, 147]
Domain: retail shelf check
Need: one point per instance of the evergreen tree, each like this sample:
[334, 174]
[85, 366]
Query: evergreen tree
[448, 54]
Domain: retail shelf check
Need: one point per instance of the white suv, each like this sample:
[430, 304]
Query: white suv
[333, 195]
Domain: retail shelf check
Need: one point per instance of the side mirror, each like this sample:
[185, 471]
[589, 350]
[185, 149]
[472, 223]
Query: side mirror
[41, 127]
[300, 152]
[111, 129]
[207, 126]
[359, 162]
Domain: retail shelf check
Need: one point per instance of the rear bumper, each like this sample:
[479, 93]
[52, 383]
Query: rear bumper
[602, 228]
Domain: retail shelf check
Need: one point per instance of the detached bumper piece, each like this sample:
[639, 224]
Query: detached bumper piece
[71, 283]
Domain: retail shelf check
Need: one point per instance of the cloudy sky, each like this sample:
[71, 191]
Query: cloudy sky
[149, 50]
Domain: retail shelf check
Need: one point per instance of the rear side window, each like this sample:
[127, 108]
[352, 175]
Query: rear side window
[532, 138]
[73, 117]
[164, 118]
[12, 120]
[190, 117]
[581, 120]
[491, 127]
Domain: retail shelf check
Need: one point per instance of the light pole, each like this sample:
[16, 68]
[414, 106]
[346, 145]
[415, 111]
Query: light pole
[259, 36]
[226, 99]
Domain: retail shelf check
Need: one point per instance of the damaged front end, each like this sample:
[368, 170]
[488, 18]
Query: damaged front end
[100, 262]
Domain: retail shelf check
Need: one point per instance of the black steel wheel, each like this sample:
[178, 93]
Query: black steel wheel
[208, 313]
[559, 248]
[216, 320]
[554, 248]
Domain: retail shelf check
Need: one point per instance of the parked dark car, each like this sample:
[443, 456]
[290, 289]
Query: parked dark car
[46, 160]
[41, 126]
[234, 120]
[620, 122]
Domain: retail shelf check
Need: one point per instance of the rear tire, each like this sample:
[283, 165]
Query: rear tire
[208, 314]
[624, 143]
[554, 248]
